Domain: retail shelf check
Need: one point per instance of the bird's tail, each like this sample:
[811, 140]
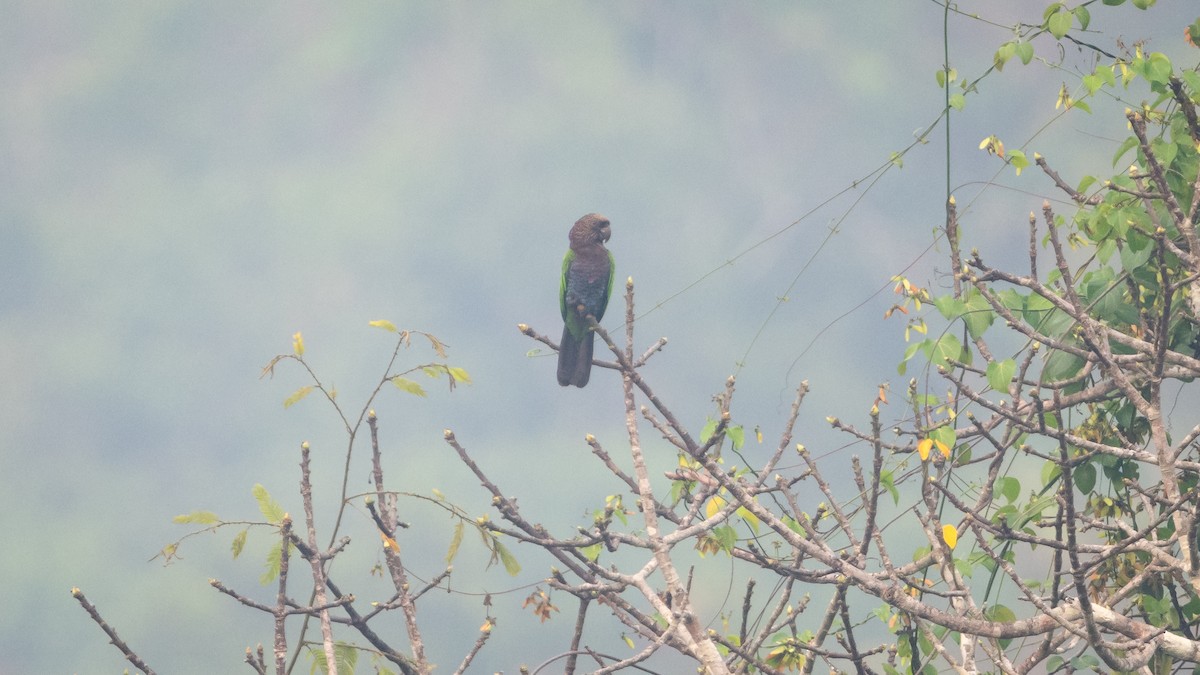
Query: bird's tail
[575, 358]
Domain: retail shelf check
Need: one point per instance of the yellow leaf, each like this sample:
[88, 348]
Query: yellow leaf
[713, 507]
[749, 517]
[405, 384]
[298, 344]
[950, 535]
[388, 542]
[487, 625]
[298, 394]
[384, 324]
[943, 448]
[924, 447]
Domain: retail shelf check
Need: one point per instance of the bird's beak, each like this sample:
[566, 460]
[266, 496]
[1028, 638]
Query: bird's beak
[605, 233]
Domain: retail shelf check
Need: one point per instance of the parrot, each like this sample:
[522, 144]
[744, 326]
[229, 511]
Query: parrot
[587, 279]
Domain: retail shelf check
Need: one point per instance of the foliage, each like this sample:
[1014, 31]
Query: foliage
[1034, 506]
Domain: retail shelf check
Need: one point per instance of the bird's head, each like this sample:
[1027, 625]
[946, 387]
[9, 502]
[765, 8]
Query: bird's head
[590, 229]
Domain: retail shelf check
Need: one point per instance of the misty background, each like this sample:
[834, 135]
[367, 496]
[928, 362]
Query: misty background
[186, 185]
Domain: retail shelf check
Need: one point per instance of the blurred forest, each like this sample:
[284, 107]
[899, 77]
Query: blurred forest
[189, 184]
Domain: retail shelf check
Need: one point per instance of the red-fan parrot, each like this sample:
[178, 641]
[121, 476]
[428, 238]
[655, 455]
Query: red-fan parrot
[587, 279]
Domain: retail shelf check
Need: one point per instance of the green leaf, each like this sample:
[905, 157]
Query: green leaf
[944, 435]
[957, 101]
[1143, 4]
[271, 573]
[1084, 16]
[950, 306]
[793, 525]
[455, 542]
[270, 509]
[947, 348]
[1191, 77]
[979, 315]
[1000, 374]
[750, 518]
[1003, 54]
[1000, 614]
[709, 427]
[405, 384]
[384, 324]
[737, 436]
[297, 396]
[344, 655]
[1125, 147]
[1061, 366]
[1059, 23]
[1165, 151]
[888, 481]
[1025, 52]
[510, 563]
[239, 543]
[1132, 260]
[1008, 487]
[1050, 472]
[910, 352]
[592, 553]
[197, 518]
[1084, 476]
[1037, 311]
[459, 374]
[1017, 158]
[726, 537]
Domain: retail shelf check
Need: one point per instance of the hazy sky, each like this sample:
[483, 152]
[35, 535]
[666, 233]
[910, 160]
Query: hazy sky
[186, 185]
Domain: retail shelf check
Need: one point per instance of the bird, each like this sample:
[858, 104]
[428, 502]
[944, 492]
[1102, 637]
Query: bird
[587, 279]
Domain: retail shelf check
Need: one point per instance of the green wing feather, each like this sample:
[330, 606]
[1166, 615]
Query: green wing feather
[562, 286]
[612, 269]
[574, 323]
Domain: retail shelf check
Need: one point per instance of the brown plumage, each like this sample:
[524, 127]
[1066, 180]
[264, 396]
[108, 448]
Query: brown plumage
[587, 277]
